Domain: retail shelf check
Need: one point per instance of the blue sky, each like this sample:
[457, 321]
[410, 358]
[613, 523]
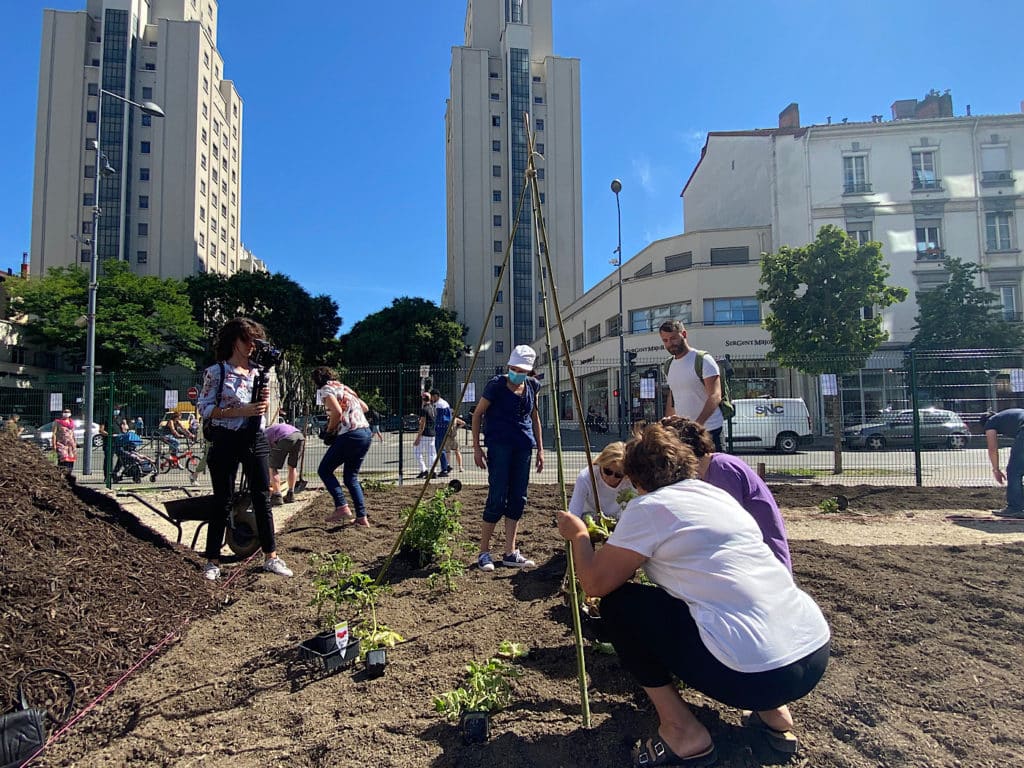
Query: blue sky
[343, 158]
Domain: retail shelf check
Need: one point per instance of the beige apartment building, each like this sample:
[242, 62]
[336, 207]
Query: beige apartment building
[170, 187]
[505, 69]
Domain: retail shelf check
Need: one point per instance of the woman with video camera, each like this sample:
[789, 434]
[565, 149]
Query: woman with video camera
[347, 436]
[233, 411]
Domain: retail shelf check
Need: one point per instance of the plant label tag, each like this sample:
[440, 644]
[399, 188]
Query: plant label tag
[341, 635]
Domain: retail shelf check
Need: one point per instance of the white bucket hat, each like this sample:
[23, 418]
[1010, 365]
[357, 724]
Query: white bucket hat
[522, 357]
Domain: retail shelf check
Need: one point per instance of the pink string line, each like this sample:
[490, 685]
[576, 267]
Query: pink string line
[110, 688]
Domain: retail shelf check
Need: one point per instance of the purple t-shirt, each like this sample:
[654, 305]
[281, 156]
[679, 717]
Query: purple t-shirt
[276, 431]
[735, 477]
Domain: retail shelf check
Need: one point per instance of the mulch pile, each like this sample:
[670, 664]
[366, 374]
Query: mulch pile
[83, 587]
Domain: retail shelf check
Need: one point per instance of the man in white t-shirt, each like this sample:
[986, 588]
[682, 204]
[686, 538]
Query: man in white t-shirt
[688, 395]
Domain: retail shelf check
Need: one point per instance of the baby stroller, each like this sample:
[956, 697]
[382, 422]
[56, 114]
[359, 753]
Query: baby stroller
[130, 461]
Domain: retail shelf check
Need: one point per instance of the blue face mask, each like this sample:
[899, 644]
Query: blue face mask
[516, 378]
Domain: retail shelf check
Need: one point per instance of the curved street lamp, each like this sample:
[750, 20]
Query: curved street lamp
[103, 168]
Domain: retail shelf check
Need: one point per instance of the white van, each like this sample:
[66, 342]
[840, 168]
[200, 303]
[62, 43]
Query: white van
[782, 423]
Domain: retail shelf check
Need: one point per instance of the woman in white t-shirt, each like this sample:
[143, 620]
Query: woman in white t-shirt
[349, 435]
[611, 482]
[725, 617]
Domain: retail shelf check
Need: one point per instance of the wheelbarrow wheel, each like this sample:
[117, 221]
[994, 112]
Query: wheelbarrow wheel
[242, 537]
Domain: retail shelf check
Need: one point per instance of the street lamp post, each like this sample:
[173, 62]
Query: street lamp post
[623, 385]
[103, 168]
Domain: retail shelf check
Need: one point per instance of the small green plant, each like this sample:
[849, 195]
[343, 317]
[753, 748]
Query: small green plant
[509, 650]
[829, 506]
[449, 568]
[599, 528]
[488, 688]
[337, 586]
[624, 497]
[374, 484]
[433, 532]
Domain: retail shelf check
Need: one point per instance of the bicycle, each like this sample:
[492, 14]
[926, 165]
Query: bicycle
[186, 460]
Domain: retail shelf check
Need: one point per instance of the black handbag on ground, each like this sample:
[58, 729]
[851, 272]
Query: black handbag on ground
[23, 731]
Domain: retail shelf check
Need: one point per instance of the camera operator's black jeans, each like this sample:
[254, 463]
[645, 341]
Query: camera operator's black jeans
[231, 449]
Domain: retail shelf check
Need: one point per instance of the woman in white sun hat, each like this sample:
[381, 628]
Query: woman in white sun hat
[512, 428]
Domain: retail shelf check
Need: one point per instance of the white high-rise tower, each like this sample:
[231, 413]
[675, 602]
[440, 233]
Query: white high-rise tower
[506, 69]
[172, 206]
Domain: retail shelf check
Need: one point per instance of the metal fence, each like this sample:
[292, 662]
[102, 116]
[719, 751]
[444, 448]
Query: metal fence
[907, 418]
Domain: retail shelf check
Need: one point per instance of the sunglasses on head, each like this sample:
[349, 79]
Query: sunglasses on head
[612, 473]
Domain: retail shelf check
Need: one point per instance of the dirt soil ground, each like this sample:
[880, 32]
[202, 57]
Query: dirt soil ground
[925, 670]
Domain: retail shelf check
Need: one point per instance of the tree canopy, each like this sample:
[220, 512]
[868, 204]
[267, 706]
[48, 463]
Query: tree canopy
[962, 315]
[817, 294]
[142, 322]
[411, 331]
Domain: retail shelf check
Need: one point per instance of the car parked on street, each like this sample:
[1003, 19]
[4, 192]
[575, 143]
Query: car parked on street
[939, 427]
[43, 436]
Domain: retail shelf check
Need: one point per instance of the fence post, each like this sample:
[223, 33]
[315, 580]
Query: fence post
[401, 427]
[916, 417]
[108, 442]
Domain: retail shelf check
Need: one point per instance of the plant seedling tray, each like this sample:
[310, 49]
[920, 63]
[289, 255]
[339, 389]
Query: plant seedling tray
[322, 652]
[475, 727]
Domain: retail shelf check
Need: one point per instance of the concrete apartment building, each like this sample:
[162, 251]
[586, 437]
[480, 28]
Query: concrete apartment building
[924, 183]
[171, 208]
[507, 68]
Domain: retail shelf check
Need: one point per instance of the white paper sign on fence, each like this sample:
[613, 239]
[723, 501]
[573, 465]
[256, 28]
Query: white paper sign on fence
[647, 388]
[1017, 379]
[170, 399]
[829, 386]
[56, 401]
[470, 396]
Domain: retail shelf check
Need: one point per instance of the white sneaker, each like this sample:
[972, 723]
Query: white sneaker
[484, 562]
[211, 572]
[276, 565]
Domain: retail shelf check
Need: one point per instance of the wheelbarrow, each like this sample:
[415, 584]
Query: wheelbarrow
[240, 533]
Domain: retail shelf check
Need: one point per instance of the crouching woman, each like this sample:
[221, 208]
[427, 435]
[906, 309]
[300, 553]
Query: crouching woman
[725, 616]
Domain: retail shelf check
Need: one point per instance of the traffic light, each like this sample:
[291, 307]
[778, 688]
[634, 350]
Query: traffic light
[631, 356]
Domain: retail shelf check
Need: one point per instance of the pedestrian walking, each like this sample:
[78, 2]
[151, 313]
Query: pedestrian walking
[695, 396]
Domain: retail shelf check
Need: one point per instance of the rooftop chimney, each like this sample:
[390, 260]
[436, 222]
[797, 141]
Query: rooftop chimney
[790, 116]
[24, 264]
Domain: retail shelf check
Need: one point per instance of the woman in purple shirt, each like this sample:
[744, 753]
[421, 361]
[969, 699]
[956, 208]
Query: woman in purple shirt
[735, 477]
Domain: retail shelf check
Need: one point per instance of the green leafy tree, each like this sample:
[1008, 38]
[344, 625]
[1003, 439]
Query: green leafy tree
[816, 294]
[411, 331]
[962, 315]
[143, 323]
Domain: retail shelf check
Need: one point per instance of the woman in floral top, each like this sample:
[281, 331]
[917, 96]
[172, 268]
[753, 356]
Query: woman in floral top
[63, 439]
[347, 425]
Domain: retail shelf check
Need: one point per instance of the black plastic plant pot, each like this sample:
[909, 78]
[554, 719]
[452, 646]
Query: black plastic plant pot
[376, 661]
[454, 485]
[322, 651]
[475, 727]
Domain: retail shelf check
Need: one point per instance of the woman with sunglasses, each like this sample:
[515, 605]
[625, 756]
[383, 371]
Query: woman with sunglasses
[735, 477]
[611, 482]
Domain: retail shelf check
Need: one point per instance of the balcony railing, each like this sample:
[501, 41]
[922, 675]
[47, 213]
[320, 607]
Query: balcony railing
[996, 178]
[857, 188]
[926, 184]
[931, 254]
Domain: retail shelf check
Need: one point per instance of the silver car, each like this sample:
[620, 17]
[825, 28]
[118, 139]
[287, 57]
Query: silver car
[43, 436]
[938, 428]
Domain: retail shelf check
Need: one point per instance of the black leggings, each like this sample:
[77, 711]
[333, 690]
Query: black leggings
[656, 637]
[230, 449]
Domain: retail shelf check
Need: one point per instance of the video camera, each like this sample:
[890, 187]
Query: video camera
[265, 356]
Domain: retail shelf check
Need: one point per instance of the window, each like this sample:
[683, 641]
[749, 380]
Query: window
[543, 197]
[202, 239]
[540, 173]
[495, 121]
[213, 199]
[90, 171]
[147, 120]
[94, 89]
[648, 320]
[202, 213]
[202, 162]
[143, 229]
[536, 78]
[538, 99]
[499, 347]
[1007, 302]
[143, 174]
[923, 164]
[141, 257]
[723, 256]
[539, 123]
[577, 341]
[493, 75]
[499, 321]
[500, 298]
[855, 175]
[995, 165]
[90, 116]
[202, 187]
[89, 199]
[205, 111]
[215, 150]
[929, 240]
[593, 334]
[150, 67]
[206, 57]
[202, 135]
[497, 246]
[740, 311]
[494, 97]
[859, 233]
[497, 219]
[224, 211]
[539, 148]
[997, 231]
[86, 227]
[86, 255]
[145, 147]
[143, 201]
[496, 145]
[497, 270]
[612, 325]
[147, 92]
[496, 196]
[679, 261]
[496, 170]
[206, 85]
